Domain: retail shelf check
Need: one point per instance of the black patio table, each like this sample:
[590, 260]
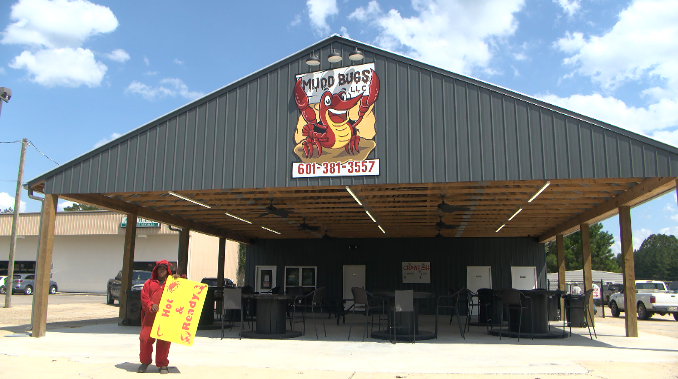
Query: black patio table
[403, 321]
[271, 321]
[537, 310]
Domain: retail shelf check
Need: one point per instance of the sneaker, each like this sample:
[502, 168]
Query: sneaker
[163, 370]
[143, 367]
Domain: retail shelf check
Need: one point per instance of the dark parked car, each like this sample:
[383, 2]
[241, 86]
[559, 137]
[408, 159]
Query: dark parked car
[212, 282]
[113, 287]
[25, 283]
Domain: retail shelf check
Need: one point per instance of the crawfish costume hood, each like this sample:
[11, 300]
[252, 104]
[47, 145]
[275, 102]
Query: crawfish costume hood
[152, 292]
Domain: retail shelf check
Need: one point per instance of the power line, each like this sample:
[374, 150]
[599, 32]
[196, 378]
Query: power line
[43, 154]
[19, 141]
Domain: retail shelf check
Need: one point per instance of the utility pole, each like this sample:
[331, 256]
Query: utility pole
[9, 281]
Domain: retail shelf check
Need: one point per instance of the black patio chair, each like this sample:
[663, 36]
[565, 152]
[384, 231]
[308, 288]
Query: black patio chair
[404, 302]
[232, 301]
[585, 308]
[512, 299]
[471, 303]
[311, 301]
[450, 302]
[487, 301]
[365, 302]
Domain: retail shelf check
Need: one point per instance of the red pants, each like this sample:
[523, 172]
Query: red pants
[146, 349]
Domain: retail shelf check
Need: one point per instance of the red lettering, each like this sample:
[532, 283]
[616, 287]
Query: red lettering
[165, 313]
[189, 318]
[179, 310]
[186, 326]
[192, 304]
[191, 311]
[169, 300]
[168, 306]
[195, 297]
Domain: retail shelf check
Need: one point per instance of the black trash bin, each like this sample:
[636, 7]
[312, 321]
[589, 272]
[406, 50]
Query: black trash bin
[553, 305]
[133, 313]
[207, 315]
[575, 310]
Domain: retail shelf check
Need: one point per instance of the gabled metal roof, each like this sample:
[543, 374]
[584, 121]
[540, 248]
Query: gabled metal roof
[432, 126]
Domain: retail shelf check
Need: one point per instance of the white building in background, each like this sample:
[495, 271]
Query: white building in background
[88, 249]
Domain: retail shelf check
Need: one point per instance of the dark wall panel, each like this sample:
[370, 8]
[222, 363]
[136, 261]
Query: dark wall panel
[383, 257]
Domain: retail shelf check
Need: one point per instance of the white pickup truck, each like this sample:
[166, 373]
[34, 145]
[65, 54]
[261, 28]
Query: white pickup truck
[651, 297]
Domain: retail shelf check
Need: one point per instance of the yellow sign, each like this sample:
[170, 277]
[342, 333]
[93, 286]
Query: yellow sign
[179, 311]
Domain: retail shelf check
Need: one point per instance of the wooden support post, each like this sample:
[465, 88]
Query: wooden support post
[182, 261]
[43, 266]
[630, 311]
[127, 263]
[560, 247]
[586, 265]
[222, 259]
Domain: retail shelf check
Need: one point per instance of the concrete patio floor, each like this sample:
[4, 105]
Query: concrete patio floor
[109, 350]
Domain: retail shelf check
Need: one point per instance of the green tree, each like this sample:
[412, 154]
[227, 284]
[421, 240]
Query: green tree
[602, 257]
[657, 258]
[75, 207]
[240, 275]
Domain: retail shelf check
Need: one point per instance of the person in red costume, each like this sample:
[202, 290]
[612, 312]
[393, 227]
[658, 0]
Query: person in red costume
[150, 299]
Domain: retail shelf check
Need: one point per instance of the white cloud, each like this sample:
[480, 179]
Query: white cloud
[319, 11]
[2, 71]
[55, 31]
[296, 21]
[61, 67]
[7, 201]
[672, 230]
[361, 14]
[57, 23]
[64, 204]
[171, 87]
[639, 46]
[616, 246]
[148, 62]
[344, 32]
[569, 6]
[150, 73]
[118, 55]
[456, 35]
[106, 140]
[177, 61]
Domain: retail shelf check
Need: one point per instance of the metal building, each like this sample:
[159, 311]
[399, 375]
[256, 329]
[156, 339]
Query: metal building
[380, 152]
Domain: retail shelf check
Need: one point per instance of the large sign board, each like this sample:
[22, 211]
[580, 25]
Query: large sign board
[336, 127]
[416, 272]
[179, 311]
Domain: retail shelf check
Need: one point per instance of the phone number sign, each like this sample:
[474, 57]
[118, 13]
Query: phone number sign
[368, 167]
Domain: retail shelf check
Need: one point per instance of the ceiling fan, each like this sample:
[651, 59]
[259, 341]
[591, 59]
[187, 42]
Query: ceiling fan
[305, 226]
[441, 225]
[271, 210]
[327, 236]
[439, 235]
[447, 208]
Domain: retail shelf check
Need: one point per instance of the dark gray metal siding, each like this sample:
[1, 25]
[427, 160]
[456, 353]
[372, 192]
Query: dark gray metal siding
[449, 258]
[432, 126]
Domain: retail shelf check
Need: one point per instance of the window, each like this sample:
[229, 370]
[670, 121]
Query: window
[301, 277]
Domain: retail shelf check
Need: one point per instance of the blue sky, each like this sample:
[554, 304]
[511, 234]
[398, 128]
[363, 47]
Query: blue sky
[84, 72]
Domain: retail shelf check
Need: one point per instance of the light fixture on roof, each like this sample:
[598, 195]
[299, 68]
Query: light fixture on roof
[236, 217]
[515, 214]
[356, 55]
[369, 214]
[382, 229]
[313, 60]
[539, 192]
[334, 57]
[270, 230]
[502, 225]
[354, 196]
[189, 199]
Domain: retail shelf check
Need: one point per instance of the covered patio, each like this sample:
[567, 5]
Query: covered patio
[493, 173]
